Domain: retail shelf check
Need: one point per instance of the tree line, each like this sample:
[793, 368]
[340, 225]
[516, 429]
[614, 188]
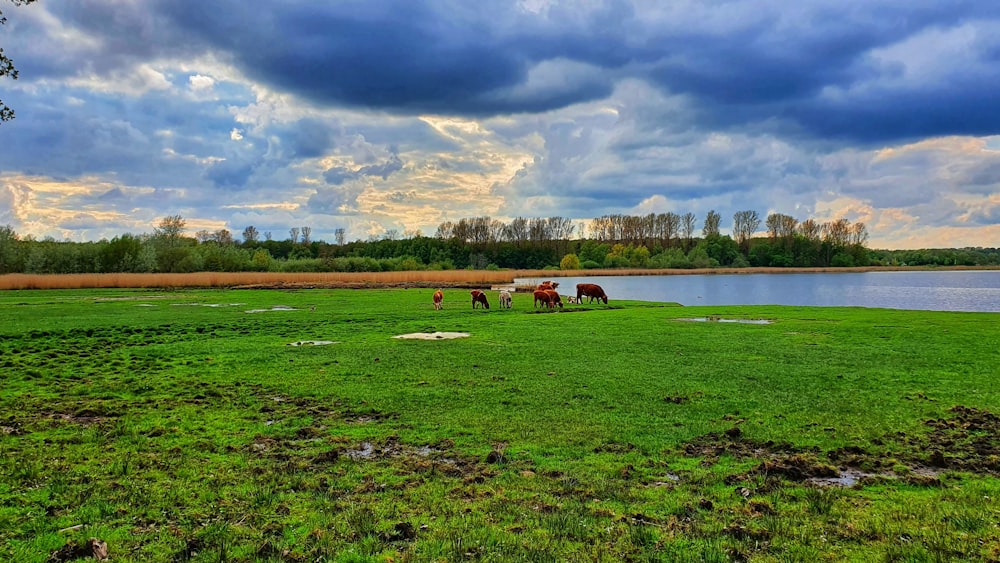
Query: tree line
[665, 240]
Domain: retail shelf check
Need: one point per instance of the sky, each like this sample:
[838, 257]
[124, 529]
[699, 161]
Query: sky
[393, 116]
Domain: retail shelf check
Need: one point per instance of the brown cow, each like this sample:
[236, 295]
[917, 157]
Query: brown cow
[438, 298]
[554, 298]
[479, 297]
[547, 285]
[590, 290]
[543, 297]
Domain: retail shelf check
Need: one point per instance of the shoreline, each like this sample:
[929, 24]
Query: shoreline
[456, 279]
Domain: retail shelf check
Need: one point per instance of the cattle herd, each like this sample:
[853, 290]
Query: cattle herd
[545, 296]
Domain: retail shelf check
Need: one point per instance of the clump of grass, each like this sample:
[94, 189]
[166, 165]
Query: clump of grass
[821, 500]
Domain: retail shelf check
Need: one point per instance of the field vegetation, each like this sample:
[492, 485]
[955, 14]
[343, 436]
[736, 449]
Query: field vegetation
[265, 425]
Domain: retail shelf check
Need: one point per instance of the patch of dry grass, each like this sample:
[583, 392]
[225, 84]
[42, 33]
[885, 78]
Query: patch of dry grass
[252, 279]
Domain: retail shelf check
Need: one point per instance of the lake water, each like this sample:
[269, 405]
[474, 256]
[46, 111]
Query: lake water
[932, 291]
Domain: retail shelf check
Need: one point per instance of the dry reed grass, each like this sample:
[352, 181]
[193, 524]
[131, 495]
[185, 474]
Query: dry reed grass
[423, 278]
[251, 279]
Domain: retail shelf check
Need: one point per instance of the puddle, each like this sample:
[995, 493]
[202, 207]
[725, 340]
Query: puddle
[365, 451]
[847, 478]
[128, 298]
[207, 304]
[670, 480]
[312, 343]
[721, 320]
[275, 308]
[433, 335]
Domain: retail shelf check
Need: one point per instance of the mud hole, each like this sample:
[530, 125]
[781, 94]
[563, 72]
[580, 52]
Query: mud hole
[439, 458]
[968, 440]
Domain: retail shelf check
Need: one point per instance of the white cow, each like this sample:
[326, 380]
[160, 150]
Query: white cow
[505, 299]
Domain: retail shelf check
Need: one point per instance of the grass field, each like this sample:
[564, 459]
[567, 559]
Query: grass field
[186, 425]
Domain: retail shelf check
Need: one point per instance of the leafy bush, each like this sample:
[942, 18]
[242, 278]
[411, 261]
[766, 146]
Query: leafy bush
[569, 262]
[302, 265]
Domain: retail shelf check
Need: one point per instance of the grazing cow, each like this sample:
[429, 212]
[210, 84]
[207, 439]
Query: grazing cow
[438, 298]
[505, 299]
[479, 297]
[590, 290]
[542, 296]
[554, 298]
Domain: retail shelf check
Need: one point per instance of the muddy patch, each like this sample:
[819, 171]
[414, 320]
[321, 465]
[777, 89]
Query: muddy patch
[437, 458]
[313, 343]
[128, 298]
[847, 478]
[432, 335]
[968, 440]
[274, 308]
[212, 305]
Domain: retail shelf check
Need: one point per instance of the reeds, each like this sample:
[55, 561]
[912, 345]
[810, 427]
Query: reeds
[250, 279]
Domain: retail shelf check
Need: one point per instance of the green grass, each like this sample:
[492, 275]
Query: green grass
[174, 430]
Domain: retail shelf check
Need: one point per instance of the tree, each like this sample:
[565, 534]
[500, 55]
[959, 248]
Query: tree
[810, 229]
[687, 228]
[250, 234]
[711, 224]
[127, 253]
[306, 235]
[223, 236]
[569, 262]
[7, 67]
[293, 234]
[745, 224]
[859, 234]
[8, 249]
[170, 229]
[341, 235]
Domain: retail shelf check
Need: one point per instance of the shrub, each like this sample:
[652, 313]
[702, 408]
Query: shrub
[569, 262]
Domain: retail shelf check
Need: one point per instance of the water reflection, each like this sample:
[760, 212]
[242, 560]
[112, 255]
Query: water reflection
[933, 291]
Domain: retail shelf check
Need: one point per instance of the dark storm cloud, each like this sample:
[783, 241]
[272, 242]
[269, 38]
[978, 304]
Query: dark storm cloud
[765, 66]
[811, 68]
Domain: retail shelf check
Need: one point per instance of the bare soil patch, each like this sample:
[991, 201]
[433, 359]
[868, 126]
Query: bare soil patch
[433, 335]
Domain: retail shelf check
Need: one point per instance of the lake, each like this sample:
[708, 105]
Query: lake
[960, 290]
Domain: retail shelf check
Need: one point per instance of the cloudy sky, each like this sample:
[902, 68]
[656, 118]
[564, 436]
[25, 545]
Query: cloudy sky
[400, 114]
